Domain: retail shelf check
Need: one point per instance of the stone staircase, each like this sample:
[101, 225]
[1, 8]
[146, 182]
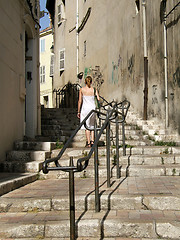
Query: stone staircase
[144, 203]
[57, 124]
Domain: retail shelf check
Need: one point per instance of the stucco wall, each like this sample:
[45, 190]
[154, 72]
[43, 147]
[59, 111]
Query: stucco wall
[115, 43]
[12, 79]
[45, 59]
[12, 108]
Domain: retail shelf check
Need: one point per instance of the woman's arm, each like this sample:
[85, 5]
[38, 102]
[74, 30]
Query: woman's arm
[79, 103]
[97, 94]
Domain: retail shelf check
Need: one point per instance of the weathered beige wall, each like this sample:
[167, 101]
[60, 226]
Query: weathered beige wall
[12, 74]
[11, 66]
[45, 59]
[114, 42]
[156, 95]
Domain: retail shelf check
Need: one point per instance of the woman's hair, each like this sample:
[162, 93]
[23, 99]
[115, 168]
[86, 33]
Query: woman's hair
[88, 81]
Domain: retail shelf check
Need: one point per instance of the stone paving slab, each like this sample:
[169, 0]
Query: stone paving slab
[12, 181]
[140, 216]
[45, 223]
[132, 185]
[142, 225]
[84, 238]
[130, 193]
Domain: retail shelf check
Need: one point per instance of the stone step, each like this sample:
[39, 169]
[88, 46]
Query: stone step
[125, 170]
[160, 159]
[129, 224]
[21, 167]
[54, 138]
[61, 122]
[163, 202]
[87, 173]
[12, 181]
[68, 128]
[34, 145]
[27, 155]
[130, 151]
[91, 238]
[148, 150]
[57, 132]
[137, 142]
[163, 170]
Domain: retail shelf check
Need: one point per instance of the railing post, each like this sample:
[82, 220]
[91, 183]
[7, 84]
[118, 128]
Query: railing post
[117, 148]
[123, 133]
[56, 98]
[96, 172]
[59, 100]
[71, 202]
[108, 152]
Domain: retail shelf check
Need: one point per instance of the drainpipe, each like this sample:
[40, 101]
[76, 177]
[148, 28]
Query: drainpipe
[145, 61]
[77, 39]
[165, 73]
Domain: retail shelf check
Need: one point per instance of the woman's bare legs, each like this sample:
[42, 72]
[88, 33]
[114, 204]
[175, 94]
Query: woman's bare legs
[88, 136]
[92, 136]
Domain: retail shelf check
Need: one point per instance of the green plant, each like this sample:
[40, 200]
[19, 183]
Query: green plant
[162, 143]
[85, 154]
[150, 138]
[59, 144]
[138, 128]
[173, 171]
[166, 151]
[129, 146]
[114, 161]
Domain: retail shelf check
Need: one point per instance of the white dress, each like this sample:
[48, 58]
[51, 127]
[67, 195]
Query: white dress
[87, 105]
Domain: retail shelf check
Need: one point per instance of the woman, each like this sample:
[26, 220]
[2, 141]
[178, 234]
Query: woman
[85, 105]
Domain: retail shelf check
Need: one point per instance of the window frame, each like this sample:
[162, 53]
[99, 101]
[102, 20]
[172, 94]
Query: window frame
[51, 72]
[42, 74]
[59, 13]
[61, 59]
[43, 46]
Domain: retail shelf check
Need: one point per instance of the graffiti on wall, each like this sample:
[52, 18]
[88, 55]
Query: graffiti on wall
[87, 71]
[131, 62]
[154, 94]
[96, 74]
[176, 77]
[115, 70]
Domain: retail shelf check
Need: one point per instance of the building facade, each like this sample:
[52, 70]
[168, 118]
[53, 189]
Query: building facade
[130, 47]
[19, 67]
[46, 67]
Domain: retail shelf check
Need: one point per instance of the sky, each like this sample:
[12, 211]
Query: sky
[44, 21]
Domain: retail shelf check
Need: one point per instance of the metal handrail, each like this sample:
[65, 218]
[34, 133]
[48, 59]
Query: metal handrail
[61, 91]
[112, 113]
[79, 162]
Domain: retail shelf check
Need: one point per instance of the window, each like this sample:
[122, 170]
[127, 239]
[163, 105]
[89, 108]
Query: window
[61, 13]
[52, 66]
[46, 101]
[84, 48]
[42, 45]
[137, 6]
[62, 59]
[42, 74]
